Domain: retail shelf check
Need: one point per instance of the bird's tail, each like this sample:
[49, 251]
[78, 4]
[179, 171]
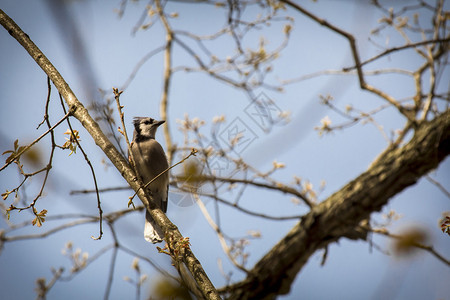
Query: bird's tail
[152, 232]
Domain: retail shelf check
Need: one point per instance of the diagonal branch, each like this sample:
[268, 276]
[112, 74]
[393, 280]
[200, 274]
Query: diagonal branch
[76, 108]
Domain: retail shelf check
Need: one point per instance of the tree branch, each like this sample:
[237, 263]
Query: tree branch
[76, 108]
[339, 215]
[167, 78]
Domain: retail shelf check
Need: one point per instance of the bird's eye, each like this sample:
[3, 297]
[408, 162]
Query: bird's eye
[148, 122]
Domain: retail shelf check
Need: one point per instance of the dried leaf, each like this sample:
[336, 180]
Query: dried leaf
[40, 218]
[7, 151]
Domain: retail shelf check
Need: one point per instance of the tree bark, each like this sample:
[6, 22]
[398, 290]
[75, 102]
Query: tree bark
[340, 214]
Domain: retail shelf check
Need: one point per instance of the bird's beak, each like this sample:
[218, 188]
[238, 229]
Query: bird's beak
[160, 122]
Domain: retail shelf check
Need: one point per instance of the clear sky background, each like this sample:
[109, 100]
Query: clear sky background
[353, 270]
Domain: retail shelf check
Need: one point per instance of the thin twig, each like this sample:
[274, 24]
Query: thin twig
[49, 164]
[352, 41]
[429, 249]
[193, 152]
[100, 211]
[438, 185]
[395, 49]
[278, 186]
[112, 266]
[49, 232]
[42, 288]
[219, 233]
[90, 260]
[25, 149]
[117, 94]
[111, 189]
[138, 66]
[47, 102]
[52, 136]
[250, 212]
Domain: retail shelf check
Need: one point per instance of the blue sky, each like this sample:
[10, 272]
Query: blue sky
[352, 270]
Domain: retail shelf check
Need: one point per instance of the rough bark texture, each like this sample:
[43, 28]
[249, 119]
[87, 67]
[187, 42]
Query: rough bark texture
[340, 214]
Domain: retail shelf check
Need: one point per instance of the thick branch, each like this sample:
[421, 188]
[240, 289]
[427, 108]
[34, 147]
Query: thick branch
[173, 236]
[341, 213]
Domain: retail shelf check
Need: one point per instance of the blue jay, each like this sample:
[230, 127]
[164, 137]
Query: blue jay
[151, 161]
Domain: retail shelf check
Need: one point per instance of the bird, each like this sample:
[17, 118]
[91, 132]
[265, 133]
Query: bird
[150, 161]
